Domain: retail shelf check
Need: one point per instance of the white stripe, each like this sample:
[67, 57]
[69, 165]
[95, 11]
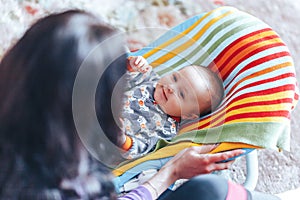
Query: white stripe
[255, 57]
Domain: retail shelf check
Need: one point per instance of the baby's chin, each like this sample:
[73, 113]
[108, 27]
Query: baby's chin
[162, 107]
[166, 111]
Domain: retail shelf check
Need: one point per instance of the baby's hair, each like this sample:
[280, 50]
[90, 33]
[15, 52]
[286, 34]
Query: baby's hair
[215, 87]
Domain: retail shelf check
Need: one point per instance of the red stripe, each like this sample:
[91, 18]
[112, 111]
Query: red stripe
[296, 97]
[250, 94]
[258, 61]
[245, 105]
[231, 57]
[260, 103]
[221, 55]
[245, 46]
[279, 77]
[261, 92]
[279, 113]
[218, 58]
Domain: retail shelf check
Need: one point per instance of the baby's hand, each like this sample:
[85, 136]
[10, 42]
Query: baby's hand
[139, 63]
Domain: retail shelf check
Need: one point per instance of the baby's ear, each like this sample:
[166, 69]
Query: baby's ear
[190, 116]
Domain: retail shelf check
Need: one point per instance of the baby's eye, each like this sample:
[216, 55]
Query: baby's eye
[181, 94]
[174, 78]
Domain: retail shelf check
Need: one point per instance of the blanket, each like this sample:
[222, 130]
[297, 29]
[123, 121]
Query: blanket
[258, 77]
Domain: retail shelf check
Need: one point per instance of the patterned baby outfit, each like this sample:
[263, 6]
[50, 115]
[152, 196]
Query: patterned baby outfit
[144, 121]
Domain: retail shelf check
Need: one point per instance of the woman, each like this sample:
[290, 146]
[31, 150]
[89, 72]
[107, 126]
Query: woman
[40, 149]
[43, 144]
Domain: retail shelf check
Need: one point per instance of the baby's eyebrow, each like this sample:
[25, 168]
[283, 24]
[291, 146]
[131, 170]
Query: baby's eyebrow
[179, 75]
[176, 74]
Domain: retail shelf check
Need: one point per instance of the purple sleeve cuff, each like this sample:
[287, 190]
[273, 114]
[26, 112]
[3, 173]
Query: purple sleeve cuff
[140, 193]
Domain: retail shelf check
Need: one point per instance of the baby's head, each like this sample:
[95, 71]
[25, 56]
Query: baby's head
[189, 92]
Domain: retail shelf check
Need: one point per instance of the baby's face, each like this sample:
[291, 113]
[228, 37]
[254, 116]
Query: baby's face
[184, 93]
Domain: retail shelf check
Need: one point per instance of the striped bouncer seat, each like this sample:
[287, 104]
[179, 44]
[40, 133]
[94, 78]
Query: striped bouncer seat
[258, 76]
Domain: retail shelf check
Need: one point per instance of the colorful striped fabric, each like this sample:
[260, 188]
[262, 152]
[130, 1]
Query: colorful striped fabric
[257, 71]
[253, 62]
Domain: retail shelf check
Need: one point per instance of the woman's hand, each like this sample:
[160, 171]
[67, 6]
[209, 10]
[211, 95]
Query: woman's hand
[194, 161]
[188, 163]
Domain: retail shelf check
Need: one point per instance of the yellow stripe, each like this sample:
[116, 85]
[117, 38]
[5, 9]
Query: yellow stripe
[261, 108]
[281, 120]
[275, 96]
[174, 39]
[177, 37]
[223, 114]
[174, 149]
[165, 152]
[261, 119]
[187, 44]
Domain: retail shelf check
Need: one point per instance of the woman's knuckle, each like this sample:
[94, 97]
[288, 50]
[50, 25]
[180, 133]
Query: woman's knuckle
[207, 169]
[205, 160]
[192, 148]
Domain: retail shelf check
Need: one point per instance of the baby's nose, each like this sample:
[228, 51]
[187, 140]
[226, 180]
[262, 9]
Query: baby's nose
[169, 89]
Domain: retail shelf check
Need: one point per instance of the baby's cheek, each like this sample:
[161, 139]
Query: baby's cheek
[176, 105]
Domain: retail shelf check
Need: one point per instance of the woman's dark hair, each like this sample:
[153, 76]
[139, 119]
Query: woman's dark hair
[39, 146]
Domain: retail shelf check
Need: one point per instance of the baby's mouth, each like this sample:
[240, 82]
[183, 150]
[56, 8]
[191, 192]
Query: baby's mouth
[164, 93]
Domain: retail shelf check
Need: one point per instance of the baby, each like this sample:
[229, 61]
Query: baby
[154, 106]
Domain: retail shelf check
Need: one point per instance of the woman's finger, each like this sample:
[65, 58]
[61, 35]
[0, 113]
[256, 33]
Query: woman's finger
[219, 157]
[205, 148]
[223, 165]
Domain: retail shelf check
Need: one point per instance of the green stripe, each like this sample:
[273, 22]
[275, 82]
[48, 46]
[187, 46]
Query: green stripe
[271, 135]
[214, 45]
[195, 51]
[224, 37]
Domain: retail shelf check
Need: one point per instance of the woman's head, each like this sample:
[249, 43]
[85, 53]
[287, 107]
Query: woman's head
[36, 82]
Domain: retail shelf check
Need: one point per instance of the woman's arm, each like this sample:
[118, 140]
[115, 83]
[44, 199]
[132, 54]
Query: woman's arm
[187, 164]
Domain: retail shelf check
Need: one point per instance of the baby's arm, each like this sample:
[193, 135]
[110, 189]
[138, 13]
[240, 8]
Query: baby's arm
[133, 147]
[138, 64]
[139, 71]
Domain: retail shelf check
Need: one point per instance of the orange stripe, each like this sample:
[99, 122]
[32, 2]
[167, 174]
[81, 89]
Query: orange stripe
[259, 73]
[185, 45]
[247, 52]
[214, 67]
[278, 94]
[229, 53]
[237, 110]
[266, 91]
[174, 39]
[275, 113]
[269, 94]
